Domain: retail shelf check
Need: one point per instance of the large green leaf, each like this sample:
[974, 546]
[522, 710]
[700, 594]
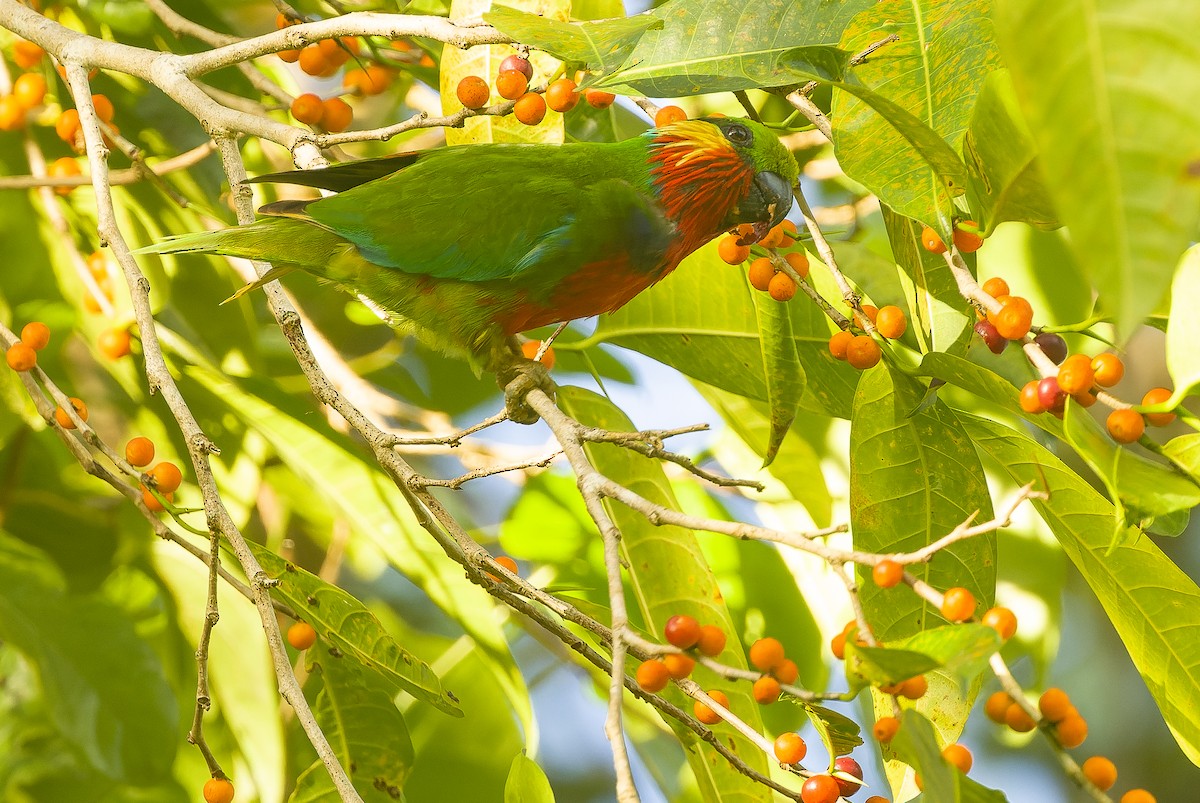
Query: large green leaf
[1183, 329]
[945, 50]
[527, 783]
[940, 310]
[668, 576]
[917, 745]
[1154, 606]
[914, 477]
[781, 368]
[1109, 90]
[602, 45]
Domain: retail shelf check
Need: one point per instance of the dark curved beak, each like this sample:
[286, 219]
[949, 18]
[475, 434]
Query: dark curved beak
[765, 206]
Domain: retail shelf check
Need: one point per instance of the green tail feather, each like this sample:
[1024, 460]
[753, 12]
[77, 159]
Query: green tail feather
[289, 242]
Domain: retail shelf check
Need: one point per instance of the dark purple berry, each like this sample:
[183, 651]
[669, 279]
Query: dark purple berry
[1052, 345]
[993, 339]
[519, 64]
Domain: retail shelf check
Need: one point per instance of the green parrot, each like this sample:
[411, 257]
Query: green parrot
[467, 246]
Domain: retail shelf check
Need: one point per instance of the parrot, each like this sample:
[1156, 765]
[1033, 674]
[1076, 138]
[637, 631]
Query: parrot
[467, 246]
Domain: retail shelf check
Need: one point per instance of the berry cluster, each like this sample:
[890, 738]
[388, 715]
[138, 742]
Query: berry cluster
[861, 350]
[966, 238]
[512, 82]
[765, 273]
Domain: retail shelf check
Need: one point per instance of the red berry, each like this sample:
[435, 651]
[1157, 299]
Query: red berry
[1072, 731]
[530, 108]
[995, 342]
[518, 63]
[1075, 375]
[996, 707]
[511, 84]
[679, 665]
[782, 288]
[599, 99]
[839, 344]
[682, 631]
[668, 115]
[1031, 402]
[1051, 395]
[1054, 704]
[862, 352]
[890, 322]
[64, 420]
[819, 789]
[786, 672]
[849, 766]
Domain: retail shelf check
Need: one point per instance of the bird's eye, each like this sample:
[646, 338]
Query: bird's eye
[738, 134]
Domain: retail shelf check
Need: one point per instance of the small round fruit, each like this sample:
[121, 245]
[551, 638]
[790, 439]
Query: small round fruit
[20, 357]
[766, 654]
[786, 672]
[958, 604]
[312, 61]
[996, 706]
[167, 477]
[290, 56]
[64, 420]
[1002, 620]
[1031, 401]
[995, 342]
[788, 230]
[996, 287]
[891, 322]
[1108, 368]
[837, 645]
[104, 108]
[1051, 395]
[337, 115]
[931, 241]
[26, 54]
[669, 115]
[653, 675]
[67, 126]
[1017, 718]
[712, 641]
[301, 636]
[839, 344]
[1125, 425]
[707, 715]
[914, 688]
[218, 790]
[1071, 731]
[1075, 375]
[760, 273]
[959, 756]
[790, 748]
[36, 335]
[871, 311]
[1101, 772]
[530, 349]
[1013, 320]
[473, 92]
[562, 95]
[519, 64]
[114, 343]
[1138, 796]
[799, 262]
[682, 631]
[139, 451]
[885, 729]
[29, 90]
[731, 252]
[151, 501]
[1053, 346]
[530, 108]
[782, 288]
[307, 109]
[966, 237]
[511, 84]
[1153, 396]
[766, 690]
[598, 99]
[1055, 704]
[819, 789]
[679, 665]
[507, 563]
[862, 352]
[64, 167]
[887, 573]
[851, 767]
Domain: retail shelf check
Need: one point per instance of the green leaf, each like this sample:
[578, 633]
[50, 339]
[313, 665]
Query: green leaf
[913, 479]
[1183, 330]
[883, 665]
[838, 732]
[1113, 144]
[1154, 606]
[527, 783]
[1004, 177]
[917, 745]
[1184, 451]
[602, 46]
[940, 309]
[962, 649]
[986, 385]
[781, 368]
[103, 684]
[346, 624]
[902, 141]
[726, 45]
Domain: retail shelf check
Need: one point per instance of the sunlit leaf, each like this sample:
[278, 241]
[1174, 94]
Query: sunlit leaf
[602, 45]
[527, 783]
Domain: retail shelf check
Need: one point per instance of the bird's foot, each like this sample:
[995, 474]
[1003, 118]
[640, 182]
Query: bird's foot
[517, 380]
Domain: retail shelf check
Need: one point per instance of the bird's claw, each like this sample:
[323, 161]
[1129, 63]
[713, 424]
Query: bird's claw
[517, 381]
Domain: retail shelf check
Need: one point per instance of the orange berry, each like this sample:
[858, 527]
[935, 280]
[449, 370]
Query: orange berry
[151, 501]
[959, 756]
[885, 729]
[914, 688]
[1085, 399]
[786, 672]
[12, 113]
[530, 108]
[891, 322]
[1075, 375]
[1013, 320]
[139, 451]
[598, 99]
[167, 477]
[766, 654]
[290, 56]
[707, 715]
[1158, 396]
[839, 344]
[1108, 368]
[312, 61]
[788, 230]
[507, 563]
[218, 790]
[530, 349]
[1018, 719]
[682, 631]
[996, 706]
[562, 95]
[21, 357]
[1125, 425]
[104, 108]
[653, 675]
[1002, 620]
[668, 115]
[887, 573]
[282, 21]
[731, 252]
[27, 54]
[766, 690]
[712, 641]
[1054, 704]
[790, 748]
[1101, 772]
[301, 636]
[679, 665]
[64, 421]
[473, 92]
[359, 81]
[63, 168]
[837, 645]
[1031, 400]
[871, 311]
[511, 84]
[67, 126]
[335, 54]
[820, 789]
[114, 343]
[958, 604]
[1138, 796]
[782, 288]
[967, 239]
[336, 115]
[996, 287]
[799, 262]
[932, 241]
[862, 352]
[1071, 731]
[36, 335]
[760, 273]
[29, 90]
